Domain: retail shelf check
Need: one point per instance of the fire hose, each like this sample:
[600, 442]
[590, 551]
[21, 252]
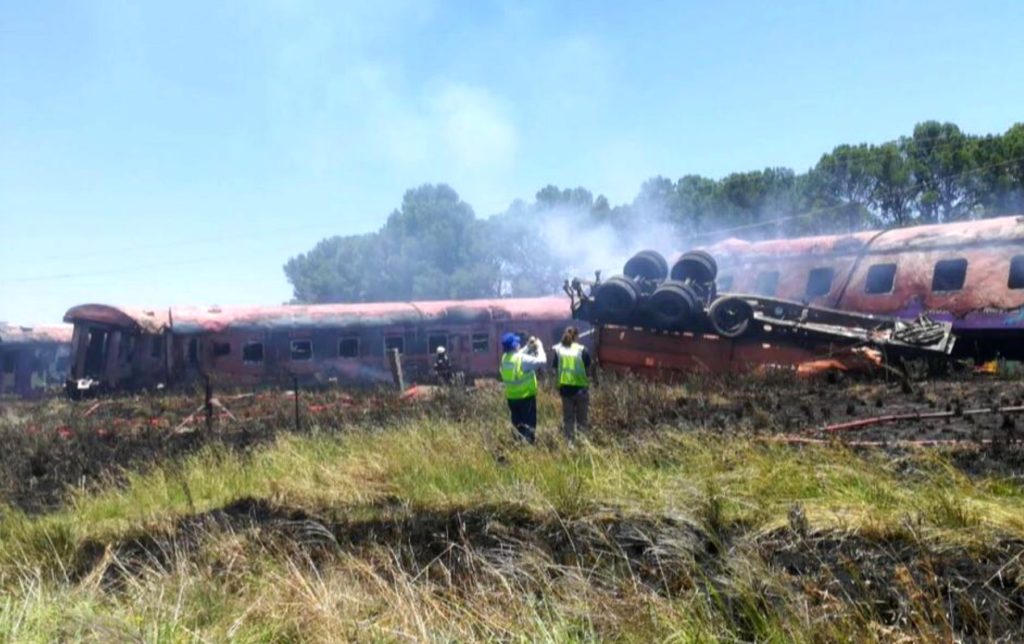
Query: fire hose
[938, 415]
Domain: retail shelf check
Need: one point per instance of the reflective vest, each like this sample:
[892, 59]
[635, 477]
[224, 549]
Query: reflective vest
[571, 370]
[518, 383]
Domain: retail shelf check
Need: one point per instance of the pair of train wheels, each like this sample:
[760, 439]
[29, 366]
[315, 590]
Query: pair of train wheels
[674, 301]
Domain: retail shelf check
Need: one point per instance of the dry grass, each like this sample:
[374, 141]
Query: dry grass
[430, 523]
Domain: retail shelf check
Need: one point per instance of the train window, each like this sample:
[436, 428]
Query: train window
[221, 349]
[1016, 272]
[302, 349]
[767, 282]
[949, 275]
[435, 341]
[481, 343]
[10, 360]
[394, 342]
[880, 279]
[348, 348]
[252, 352]
[724, 283]
[819, 281]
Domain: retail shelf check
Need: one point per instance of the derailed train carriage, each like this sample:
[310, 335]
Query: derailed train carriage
[118, 348]
[33, 360]
[737, 303]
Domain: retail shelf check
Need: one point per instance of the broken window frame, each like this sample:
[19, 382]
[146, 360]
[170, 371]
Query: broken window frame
[1015, 278]
[296, 355]
[480, 342]
[156, 347]
[816, 278]
[432, 344]
[247, 347]
[397, 340]
[958, 264]
[887, 273]
[348, 340]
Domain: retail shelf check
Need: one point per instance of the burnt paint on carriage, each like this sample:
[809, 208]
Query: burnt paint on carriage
[206, 331]
[33, 360]
[985, 310]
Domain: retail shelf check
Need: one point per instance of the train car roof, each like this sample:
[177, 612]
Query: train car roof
[930, 237]
[148, 320]
[215, 319]
[10, 335]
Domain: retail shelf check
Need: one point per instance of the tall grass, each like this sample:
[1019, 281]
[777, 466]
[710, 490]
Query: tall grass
[435, 524]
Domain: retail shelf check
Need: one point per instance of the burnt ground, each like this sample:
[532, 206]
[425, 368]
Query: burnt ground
[50, 446]
[895, 580]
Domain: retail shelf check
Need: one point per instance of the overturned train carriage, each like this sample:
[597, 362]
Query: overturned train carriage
[33, 360]
[970, 274]
[117, 348]
[772, 301]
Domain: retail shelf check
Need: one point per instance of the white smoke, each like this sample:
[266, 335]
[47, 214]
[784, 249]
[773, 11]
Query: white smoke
[582, 246]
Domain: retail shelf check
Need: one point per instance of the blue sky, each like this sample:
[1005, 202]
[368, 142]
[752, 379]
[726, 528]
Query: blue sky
[175, 153]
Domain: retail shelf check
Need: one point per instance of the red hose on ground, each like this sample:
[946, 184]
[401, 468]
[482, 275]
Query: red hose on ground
[895, 418]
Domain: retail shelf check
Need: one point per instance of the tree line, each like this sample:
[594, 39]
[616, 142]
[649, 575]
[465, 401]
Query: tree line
[435, 247]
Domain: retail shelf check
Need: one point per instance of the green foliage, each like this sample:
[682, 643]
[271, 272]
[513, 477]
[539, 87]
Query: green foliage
[434, 247]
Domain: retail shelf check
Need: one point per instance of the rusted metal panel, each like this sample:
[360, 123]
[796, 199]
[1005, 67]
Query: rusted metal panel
[212, 341]
[138, 319]
[196, 320]
[986, 302]
[661, 354]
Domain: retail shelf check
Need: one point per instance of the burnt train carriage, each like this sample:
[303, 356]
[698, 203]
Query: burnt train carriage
[118, 348]
[967, 273]
[33, 360]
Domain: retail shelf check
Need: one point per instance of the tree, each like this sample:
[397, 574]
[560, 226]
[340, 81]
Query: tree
[894, 188]
[941, 160]
[842, 185]
[433, 246]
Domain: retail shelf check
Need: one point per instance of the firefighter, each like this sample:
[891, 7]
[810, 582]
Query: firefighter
[571, 362]
[443, 366]
[519, 373]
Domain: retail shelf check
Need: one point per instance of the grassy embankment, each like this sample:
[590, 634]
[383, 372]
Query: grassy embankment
[437, 526]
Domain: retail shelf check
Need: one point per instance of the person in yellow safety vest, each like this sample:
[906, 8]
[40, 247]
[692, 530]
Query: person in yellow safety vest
[572, 362]
[519, 373]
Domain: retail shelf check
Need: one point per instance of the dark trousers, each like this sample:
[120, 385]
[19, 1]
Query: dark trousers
[524, 417]
[575, 406]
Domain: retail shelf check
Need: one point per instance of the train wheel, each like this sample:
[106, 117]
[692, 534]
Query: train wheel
[730, 316]
[616, 299]
[672, 305]
[696, 266]
[647, 264]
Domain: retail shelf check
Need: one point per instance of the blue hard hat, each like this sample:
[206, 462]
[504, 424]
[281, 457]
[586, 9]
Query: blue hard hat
[509, 341]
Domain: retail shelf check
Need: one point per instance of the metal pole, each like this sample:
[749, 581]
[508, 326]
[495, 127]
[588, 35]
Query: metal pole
[208, 403]
[295, 383]
[395, 360]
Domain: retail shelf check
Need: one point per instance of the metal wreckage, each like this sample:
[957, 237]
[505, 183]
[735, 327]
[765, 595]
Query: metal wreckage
[861, 301]
[33, 359]
[853, 302]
